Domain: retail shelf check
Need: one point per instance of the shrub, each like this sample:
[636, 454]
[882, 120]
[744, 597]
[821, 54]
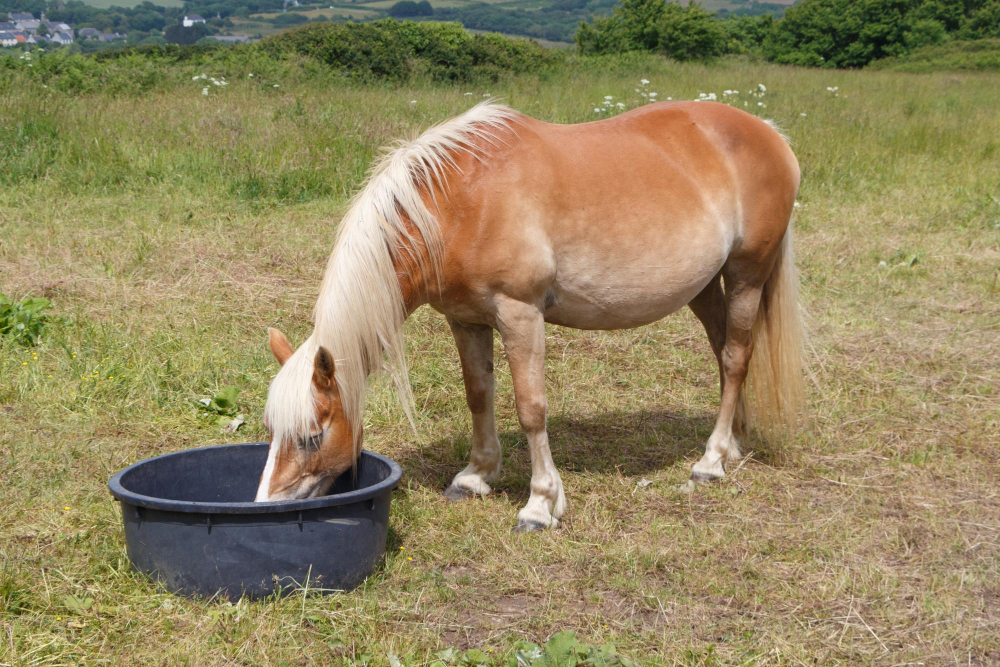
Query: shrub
[689, 33]
[408, 8]
[389, 49]
[850, 33]
[682, 32]
[746, 34]
[358, 50]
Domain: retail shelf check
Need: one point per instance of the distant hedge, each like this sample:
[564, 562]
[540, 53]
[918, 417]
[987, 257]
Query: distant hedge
[394, 50]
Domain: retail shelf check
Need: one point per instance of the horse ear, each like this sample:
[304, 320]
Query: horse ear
[323, 370]
[280, 347]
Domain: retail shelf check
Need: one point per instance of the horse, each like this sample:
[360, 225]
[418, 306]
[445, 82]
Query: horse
[503, 222]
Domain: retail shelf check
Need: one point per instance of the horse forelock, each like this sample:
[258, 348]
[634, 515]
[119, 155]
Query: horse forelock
[290, 411]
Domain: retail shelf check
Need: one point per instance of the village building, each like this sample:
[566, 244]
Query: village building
[56, 26]
[192, 19]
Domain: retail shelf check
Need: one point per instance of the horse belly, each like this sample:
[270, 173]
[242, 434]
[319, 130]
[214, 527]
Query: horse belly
[597, 290]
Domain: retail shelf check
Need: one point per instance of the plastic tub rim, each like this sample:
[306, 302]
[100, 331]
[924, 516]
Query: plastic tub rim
[272, 507]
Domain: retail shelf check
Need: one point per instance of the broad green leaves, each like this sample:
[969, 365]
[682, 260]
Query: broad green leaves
[23, 320]
[223, 406]
[563, 650]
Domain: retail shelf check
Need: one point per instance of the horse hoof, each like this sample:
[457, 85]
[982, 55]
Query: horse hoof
[529, 526]
[458, 493]
[702, 477]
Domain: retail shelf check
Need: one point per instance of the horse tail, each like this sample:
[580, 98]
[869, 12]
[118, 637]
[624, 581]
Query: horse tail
[775, 379]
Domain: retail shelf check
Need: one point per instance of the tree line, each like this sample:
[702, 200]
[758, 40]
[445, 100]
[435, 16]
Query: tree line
[820, 33]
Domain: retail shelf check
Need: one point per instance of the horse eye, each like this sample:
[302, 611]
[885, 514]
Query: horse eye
[313, 442]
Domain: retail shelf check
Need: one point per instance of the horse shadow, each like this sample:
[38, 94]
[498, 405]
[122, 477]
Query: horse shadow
[622, 443]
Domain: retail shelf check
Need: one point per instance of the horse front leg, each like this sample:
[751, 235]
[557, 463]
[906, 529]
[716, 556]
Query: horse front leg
[475, 349]
[522, 327]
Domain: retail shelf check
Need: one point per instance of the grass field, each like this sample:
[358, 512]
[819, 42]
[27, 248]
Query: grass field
[329, 12]
[171, 229]
[131, 3]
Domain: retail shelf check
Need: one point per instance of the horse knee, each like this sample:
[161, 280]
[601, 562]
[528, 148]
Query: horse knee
[531, 413]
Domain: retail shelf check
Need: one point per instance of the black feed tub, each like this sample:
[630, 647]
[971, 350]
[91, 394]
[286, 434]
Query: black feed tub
[190, 522]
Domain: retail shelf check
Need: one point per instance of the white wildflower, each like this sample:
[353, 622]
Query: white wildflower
[608, 98]
[761, 88]
[644, 82]
[620, 105]
[204, 91]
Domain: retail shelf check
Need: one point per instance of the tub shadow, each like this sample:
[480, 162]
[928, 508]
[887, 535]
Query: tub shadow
[626, 443]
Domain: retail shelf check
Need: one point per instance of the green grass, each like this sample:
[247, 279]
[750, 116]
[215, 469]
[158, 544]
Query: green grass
[169, 229]
[980, 54]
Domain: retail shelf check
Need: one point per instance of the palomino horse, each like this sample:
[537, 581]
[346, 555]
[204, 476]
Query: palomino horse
[501, 221]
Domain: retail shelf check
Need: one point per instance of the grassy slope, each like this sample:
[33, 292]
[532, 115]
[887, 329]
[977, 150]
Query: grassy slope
[980, 54]
[171, 229]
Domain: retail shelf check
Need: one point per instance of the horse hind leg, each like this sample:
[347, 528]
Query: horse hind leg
[731, 338]
[710, 308]
[475, 349]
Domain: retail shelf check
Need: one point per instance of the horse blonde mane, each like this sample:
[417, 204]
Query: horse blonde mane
[360, 311]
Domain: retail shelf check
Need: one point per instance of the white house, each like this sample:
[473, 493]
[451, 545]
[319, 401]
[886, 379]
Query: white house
[192, 19]
[7, 39]
[62, 38]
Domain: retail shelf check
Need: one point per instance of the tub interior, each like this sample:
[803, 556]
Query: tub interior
[226, 474]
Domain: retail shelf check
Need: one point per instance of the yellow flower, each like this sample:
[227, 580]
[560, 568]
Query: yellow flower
[409, 558]
[66, 508]
[24, 363]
